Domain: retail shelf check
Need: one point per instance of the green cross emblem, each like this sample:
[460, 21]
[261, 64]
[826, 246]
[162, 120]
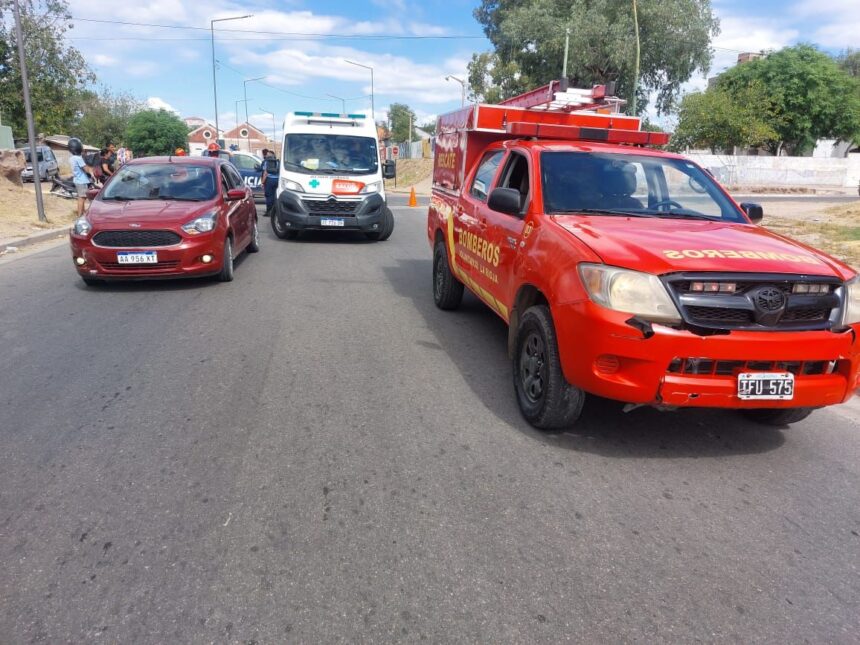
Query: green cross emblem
[313, 183]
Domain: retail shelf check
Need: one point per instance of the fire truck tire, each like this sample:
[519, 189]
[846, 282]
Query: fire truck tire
[447, 290]
[546, 399]
[777, 416]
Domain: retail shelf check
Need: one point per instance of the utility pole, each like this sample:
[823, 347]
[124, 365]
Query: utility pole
[245, 88]
[28, 109]
[274, 132]
[410, 133]
[566, 48]
[462, 88]
[342, 102]
[214, 81]
[636, 68]
[372, 106]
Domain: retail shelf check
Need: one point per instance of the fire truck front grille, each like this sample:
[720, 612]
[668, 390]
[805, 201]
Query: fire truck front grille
[723, 302]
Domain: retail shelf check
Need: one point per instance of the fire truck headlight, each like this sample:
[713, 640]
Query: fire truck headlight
[851, 310]
[640, 294]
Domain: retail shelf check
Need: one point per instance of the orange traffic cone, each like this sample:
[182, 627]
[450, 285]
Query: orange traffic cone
[412, 200]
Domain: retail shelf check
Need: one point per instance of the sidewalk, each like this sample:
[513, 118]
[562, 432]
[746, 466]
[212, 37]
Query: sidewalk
[11, 245]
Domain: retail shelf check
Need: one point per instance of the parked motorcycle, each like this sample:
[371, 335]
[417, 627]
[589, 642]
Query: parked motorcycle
[65, 187]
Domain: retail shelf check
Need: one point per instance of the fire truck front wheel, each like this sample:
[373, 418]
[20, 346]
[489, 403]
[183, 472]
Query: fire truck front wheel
[777, 417]
[447, 290]
[546, 399]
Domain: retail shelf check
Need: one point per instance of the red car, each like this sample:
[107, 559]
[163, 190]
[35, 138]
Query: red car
[166, 217]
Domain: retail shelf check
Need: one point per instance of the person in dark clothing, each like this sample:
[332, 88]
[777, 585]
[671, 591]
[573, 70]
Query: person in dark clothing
[104, 162]
[270, 180]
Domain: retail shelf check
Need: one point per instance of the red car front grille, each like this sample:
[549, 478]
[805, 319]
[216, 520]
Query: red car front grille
[131, 268]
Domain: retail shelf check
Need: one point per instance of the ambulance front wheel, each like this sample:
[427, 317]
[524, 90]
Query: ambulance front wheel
[546, 399]
[447, 290]
[280, 230]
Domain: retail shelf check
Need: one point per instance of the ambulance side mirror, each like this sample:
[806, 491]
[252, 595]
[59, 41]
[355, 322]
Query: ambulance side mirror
[754, 211]
[389, 169]
[505, 200]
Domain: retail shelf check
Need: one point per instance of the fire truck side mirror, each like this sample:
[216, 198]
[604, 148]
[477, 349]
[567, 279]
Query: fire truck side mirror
[389, 169]
[754, 211]
[505, 200]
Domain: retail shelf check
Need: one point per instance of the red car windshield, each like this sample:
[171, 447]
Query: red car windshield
[184, 182]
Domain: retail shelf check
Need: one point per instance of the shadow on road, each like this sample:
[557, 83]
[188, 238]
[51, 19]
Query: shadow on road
[475, 340]
[164, 284]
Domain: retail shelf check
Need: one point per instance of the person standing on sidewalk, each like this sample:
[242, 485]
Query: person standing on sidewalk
[80, 172]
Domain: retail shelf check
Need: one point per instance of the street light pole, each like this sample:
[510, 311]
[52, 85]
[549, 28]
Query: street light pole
[274, 132]
[245, 88]
[214, 81]
[372, 106]
[28, 109]
[245, 101]
[462, 88]
[342, 102]
[636, 68]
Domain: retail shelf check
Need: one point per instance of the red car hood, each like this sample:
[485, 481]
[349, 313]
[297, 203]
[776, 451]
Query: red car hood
[147, 213]
[667, 245]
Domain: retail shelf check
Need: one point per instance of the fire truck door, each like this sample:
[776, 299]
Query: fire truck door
[505, 232]
[469, 227]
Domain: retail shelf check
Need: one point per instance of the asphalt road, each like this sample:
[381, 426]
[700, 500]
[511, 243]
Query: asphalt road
[314, 453]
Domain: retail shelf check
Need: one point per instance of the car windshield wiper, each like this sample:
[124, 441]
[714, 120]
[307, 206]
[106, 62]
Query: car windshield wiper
[683, 215]
[601, 211]
[178, 199]
[119, 198]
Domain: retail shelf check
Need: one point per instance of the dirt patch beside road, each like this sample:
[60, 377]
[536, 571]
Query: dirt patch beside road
[832, 229]
[18, 215]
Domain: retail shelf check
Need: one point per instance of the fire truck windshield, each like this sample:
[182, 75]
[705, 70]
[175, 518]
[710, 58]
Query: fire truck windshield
[639, 185]
[330, 153]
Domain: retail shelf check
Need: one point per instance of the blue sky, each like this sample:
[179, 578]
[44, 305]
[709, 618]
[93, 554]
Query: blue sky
[172, 68]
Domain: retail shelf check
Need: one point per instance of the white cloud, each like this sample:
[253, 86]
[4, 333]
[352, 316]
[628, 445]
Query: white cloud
[157, 103]
[103, 60]
[837, 22]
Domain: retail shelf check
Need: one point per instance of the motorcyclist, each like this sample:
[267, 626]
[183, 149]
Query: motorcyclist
[213, 150]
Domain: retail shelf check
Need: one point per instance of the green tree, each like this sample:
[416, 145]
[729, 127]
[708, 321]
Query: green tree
[430, 127]
[401, 115]
[720, 121]
[104, 117]
[58, 72]
[849, 61]
[528, 39]
[155, 132]
[810, 96]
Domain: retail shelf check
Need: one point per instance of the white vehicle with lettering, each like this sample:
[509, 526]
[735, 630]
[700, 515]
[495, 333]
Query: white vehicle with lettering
[331, 178]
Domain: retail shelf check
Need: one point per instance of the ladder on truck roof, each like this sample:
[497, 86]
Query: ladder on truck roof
[555, 111]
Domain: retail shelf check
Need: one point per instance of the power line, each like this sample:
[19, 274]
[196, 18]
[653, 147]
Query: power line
[296, 34]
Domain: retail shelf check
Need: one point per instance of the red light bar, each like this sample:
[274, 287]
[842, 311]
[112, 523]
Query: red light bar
[549, 131]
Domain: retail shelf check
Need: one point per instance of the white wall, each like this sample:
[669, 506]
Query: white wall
[805, 172]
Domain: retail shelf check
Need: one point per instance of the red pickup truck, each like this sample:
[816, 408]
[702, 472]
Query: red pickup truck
[628, 272]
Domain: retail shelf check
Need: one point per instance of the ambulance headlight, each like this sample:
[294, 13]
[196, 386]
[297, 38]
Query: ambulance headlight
[375, 187]
[633, 292]
[288, 184]
[851, 310]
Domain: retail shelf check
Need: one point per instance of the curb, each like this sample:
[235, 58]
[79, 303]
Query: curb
[33, 239]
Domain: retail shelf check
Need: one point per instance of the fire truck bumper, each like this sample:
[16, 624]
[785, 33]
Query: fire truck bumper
[604, 355]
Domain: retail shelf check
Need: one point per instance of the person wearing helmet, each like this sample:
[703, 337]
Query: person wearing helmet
[80, 172]
[179, 152]
[213, 150]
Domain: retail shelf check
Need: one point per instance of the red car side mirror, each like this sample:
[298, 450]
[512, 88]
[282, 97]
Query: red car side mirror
[235, 193]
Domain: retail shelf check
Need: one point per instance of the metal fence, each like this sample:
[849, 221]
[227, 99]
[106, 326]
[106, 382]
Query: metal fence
[415, 150]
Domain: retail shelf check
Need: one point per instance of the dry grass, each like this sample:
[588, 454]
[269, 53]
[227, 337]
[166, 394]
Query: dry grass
[412, 172]
[835, 230]
[18, 214]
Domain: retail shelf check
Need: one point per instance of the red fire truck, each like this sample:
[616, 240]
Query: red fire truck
[627, 272]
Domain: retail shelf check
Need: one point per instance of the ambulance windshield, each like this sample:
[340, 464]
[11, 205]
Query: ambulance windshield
[330, 154]
[636, 185]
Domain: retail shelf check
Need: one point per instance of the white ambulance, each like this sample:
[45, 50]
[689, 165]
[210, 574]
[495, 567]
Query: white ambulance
[330, 177]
